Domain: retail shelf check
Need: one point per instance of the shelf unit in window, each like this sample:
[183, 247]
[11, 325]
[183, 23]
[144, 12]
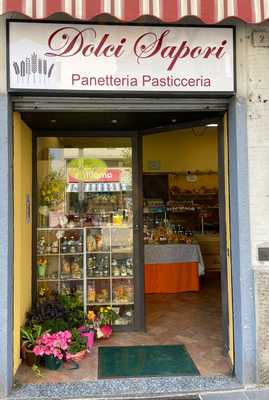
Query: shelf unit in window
[58, 279]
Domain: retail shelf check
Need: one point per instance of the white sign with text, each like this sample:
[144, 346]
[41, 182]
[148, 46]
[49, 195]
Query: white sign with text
[82, 57]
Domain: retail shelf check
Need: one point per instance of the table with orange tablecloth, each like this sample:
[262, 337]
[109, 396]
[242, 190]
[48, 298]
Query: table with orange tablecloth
[172, 268]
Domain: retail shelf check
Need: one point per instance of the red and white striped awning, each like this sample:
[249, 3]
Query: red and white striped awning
[208, 11]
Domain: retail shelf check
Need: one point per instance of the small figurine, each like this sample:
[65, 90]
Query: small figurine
[91, 294]
[54, 247]
[41, 245]
[63, 221]
[66, 267]
[99, 242]
[91, 243]
[115, 268]
[71, 224]
[75, 269]
[123, 271]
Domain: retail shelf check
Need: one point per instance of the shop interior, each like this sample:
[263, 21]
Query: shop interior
[86, 205]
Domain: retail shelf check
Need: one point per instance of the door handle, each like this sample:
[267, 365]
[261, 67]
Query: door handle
[136, 227]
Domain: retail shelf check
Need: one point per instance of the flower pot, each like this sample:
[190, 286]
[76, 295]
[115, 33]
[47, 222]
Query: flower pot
[90, 339]
[41, 270]
[52, 363]
[104, 332]
[29, 357]
[78, 356]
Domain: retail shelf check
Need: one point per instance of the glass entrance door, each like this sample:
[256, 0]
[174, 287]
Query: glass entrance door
[85, 206]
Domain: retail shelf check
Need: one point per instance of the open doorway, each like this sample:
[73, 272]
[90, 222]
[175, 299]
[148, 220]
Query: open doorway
[112, 201]
[182, 183]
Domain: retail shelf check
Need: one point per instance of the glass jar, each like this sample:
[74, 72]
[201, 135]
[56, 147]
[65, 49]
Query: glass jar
[64, 246]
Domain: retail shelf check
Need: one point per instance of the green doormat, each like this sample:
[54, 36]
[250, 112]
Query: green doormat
[134, 361]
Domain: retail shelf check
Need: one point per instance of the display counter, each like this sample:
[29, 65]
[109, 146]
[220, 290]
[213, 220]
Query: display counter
[172, 268]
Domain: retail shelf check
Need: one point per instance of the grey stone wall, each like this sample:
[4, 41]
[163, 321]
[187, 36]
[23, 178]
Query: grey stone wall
[257, 65]
[262, 304]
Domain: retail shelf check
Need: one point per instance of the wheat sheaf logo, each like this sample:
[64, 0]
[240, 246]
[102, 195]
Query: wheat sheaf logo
[33, 69]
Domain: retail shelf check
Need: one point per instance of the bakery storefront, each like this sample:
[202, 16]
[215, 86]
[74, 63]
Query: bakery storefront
[122, 225]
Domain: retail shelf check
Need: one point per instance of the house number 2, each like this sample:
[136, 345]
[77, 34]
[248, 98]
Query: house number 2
[261, 39]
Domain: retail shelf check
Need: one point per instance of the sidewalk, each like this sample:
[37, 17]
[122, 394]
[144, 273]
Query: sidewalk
[176, 388]
[249, 394]
[252, 394]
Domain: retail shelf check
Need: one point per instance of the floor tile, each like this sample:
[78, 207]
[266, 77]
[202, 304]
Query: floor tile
[192, 319]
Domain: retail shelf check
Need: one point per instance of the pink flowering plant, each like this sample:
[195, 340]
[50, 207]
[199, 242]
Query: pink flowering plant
[55, 344]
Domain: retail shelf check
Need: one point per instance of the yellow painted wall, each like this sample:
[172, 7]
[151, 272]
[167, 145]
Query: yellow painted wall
[208, 181]
[22, 230]
[182, 150]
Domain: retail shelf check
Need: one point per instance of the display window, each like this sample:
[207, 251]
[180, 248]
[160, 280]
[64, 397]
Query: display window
[85, 223]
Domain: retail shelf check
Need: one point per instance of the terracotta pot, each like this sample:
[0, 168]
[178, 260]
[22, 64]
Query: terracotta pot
[29, 357]
[78, 356]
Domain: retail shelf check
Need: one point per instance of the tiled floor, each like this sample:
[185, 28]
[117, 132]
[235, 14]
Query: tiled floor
[193, 319]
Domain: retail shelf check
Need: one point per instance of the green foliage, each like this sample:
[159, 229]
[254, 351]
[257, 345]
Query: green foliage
[55, 325]
[63, 312]
[36, 371]
[107, 316]
[78, 343]
[29, 335]
[47, 310]
[74, 310]
[59, 314]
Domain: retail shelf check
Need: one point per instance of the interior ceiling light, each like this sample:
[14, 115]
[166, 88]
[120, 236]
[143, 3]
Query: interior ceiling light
[114, 121]
[212, 125]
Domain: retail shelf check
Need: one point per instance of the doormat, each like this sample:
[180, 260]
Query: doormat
[142, 361]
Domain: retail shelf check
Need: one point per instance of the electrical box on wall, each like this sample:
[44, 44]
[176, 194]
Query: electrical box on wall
[263, 253]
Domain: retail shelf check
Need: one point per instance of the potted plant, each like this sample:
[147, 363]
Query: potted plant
[55, 325]
[53, 347]
[74, 309]
[106, 318]
[88, 329]
[29, 336]
[78, 346]
[46, 310]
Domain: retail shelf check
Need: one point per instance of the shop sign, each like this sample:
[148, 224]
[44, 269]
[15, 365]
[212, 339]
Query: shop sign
[56, 57]
[94, 175]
